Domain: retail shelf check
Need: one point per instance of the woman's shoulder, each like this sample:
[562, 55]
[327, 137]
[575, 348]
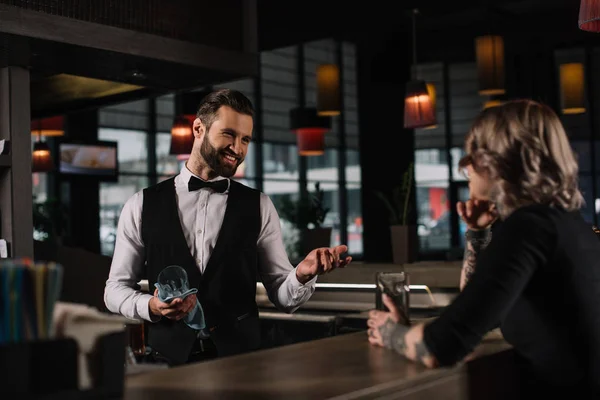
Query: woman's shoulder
[544, 218]
[531, 221]
[535, 213]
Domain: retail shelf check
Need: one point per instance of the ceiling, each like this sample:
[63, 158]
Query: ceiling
[66, 77]
[70, 77]
[285, 23]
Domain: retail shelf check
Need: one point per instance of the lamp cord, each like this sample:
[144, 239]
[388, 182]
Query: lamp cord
[414, 35]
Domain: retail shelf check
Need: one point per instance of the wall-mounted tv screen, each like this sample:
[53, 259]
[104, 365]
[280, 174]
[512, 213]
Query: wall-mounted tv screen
[97, 159]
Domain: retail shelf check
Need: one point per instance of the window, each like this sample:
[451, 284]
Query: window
[438, 150]
[167, 165]
[432, 178]
[352, 168]
[127, 124]
[113, 197]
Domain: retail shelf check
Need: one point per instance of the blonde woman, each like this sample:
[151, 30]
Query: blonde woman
[538, 279]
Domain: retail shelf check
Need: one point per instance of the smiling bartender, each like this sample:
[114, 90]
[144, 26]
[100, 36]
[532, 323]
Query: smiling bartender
[221, 232]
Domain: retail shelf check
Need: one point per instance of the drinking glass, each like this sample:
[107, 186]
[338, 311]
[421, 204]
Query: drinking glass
[396, 286]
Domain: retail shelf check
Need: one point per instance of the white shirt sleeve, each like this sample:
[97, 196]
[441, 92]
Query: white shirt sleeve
[277, 274]
[127, 268]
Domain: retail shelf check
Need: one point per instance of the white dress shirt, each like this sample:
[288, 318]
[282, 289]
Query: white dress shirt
[201, 214]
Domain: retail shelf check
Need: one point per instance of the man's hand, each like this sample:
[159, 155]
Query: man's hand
[175, 310]
[477, 214]
[321, 261]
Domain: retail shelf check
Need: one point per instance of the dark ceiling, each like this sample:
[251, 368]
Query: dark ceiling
[444, 27]
[282, 23]
[65, 77]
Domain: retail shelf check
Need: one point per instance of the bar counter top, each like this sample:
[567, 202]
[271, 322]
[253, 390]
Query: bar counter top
[340, 367]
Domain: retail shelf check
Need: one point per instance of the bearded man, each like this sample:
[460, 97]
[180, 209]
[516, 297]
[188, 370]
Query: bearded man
[222, 233]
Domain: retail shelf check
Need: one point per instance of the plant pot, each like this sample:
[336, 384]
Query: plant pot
[315, 238]
[404, 243]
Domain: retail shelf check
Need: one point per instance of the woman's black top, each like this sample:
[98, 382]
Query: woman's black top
[539, 280]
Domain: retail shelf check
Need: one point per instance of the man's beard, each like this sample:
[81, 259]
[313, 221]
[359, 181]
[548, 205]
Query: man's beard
[214, 159]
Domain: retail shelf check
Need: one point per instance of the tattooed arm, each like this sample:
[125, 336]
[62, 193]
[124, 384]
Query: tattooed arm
[475, 242]
[407, 341]
[392, 331]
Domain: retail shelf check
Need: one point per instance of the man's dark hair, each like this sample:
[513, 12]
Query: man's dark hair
[207, 112]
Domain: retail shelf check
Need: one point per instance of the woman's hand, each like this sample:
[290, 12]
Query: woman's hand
[477, 214]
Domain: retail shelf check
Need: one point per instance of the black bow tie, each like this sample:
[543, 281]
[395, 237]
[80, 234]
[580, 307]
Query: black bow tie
[219, 186]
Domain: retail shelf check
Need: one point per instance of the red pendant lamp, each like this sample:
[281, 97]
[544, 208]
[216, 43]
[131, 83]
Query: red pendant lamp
[41, 159]
[418, 105]
[182, 136]
[52, 126]
[310, 129]
[589, 15]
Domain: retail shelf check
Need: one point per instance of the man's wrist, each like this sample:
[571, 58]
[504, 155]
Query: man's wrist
[154, 314]
[303, 279]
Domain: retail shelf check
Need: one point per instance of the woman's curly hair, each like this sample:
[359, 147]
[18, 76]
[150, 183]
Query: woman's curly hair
[523, 148]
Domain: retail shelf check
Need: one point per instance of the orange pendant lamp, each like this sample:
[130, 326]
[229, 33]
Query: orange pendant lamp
[589, 15]
[310, 129]
[433, 99]
[328, 90]
[418, 104]
[182, 136]
[418, 107]
[572, 88]
[490, 64]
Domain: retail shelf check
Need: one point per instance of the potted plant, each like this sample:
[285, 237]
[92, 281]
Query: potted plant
[49, 220]
[307, 215]
[403, 235]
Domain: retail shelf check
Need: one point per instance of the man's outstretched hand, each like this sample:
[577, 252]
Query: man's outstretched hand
[321, 261]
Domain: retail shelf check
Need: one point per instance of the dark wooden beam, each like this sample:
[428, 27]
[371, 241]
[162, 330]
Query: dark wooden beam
[22, 22]
[250, 29]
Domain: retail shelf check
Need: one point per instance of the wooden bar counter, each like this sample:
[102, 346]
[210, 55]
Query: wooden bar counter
[340, 367]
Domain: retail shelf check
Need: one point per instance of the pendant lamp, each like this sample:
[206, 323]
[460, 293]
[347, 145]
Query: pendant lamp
[589, 15]
[328, 90]
[182, 136]
[41, 159]
[418, 108]
[433, 99]
[490, 64]
[492, 103]
[310, 129]
[52, 126]
[572, 91]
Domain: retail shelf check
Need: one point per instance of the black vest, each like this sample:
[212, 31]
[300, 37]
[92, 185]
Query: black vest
[226, 289]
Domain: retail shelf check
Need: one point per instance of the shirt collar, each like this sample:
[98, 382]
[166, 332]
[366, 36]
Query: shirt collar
[186, 174]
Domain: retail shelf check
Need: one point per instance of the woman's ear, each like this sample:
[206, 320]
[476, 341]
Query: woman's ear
[198, 128]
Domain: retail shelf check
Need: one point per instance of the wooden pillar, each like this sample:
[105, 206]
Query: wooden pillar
[16, 203]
